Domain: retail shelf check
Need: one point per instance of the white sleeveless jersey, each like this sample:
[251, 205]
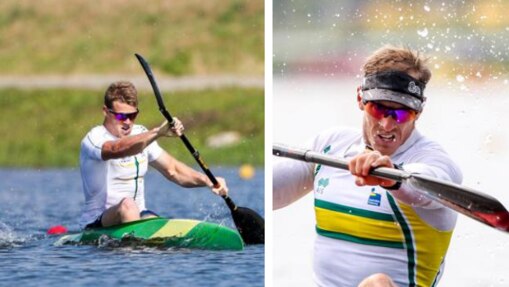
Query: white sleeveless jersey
[367, 230]
[106, 183]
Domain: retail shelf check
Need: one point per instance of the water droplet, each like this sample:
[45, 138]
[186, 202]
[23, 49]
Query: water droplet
[423, 33]
[426, 8]
[460, 78]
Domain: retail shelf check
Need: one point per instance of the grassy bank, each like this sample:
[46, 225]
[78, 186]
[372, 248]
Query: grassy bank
[44, 128]
[179, 37]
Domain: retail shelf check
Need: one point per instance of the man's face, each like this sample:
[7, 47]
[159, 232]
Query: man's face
[386, 134]
[119, 120]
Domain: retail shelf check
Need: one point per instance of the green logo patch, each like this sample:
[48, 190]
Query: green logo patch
[322, 184]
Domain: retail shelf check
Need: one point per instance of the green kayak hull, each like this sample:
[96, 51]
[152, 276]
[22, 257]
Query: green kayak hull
[162, 232]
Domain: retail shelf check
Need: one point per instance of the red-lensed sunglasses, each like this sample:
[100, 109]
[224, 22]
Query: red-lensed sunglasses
[379, 111]
[124, 116]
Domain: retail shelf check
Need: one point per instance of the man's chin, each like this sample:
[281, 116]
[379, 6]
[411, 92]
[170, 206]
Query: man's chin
[124, 133]
[386, 148]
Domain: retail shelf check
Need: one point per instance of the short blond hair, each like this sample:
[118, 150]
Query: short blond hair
[122, 91]
[390, 58]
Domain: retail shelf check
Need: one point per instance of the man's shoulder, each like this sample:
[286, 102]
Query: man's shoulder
[344, 131]
[98, 129]
[340, 134]
[425, 143]
[430, 151]
[335, 138]
[92, 140]
[96, 133]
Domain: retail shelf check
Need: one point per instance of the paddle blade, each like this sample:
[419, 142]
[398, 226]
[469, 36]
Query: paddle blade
[472, 203]
[250, 224]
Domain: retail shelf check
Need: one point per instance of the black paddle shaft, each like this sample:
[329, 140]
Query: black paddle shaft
[167, 115]
[250, 224]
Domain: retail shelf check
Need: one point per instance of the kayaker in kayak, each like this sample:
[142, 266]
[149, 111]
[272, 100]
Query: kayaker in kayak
[114, 158]
[372, 231]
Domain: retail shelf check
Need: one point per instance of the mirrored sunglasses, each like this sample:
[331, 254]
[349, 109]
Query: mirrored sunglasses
[124, 116]
[379, 111]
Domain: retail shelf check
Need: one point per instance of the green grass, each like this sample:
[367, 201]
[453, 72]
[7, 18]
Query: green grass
[177, 37]
[44, 128]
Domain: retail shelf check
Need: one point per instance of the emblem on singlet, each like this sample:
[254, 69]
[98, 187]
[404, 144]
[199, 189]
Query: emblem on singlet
[318, 166]
[126, 162]
[322, 184]
[374, 198]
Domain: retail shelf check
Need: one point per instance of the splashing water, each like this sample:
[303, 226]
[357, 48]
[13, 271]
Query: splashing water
[9, 238]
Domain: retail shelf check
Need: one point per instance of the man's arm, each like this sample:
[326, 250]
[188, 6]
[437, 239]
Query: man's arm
[128, 146]
[185, 176]
[291, 180]
[132, 145]
[178, 172]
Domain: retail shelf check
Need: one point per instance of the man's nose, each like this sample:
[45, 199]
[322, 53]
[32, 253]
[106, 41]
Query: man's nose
[387, 122]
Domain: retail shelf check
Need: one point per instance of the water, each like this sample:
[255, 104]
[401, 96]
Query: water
[33, 200]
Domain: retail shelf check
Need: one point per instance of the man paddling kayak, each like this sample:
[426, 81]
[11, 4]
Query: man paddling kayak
[372, 231]
[114, 158]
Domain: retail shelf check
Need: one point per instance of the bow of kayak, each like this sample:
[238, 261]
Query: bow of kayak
[162, 232]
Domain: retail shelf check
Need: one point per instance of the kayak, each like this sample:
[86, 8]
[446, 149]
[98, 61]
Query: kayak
[161, 232]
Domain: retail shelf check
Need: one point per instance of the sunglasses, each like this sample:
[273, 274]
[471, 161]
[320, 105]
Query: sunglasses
[379, 111]
[124, 116]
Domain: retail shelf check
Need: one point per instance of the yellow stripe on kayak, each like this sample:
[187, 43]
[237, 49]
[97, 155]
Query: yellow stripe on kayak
[176, 228]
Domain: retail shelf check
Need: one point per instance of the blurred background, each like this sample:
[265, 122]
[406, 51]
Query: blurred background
[465, 40]
[319, 48]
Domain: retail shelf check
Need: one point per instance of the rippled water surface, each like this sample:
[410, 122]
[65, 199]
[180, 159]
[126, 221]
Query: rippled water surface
[33, 200]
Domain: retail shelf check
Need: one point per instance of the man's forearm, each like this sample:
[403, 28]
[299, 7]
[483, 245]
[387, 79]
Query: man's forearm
[128, 146]
[188, 177]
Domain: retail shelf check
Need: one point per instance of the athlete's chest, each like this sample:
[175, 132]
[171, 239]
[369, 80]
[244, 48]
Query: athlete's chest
[338, 186]
[128, 167]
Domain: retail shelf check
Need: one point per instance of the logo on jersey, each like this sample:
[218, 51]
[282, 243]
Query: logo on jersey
[374, 198]
[130, 162]
[322, 184]
[318, 166]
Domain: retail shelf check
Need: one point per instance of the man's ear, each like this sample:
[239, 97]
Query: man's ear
[359, 98]
[418, 115]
